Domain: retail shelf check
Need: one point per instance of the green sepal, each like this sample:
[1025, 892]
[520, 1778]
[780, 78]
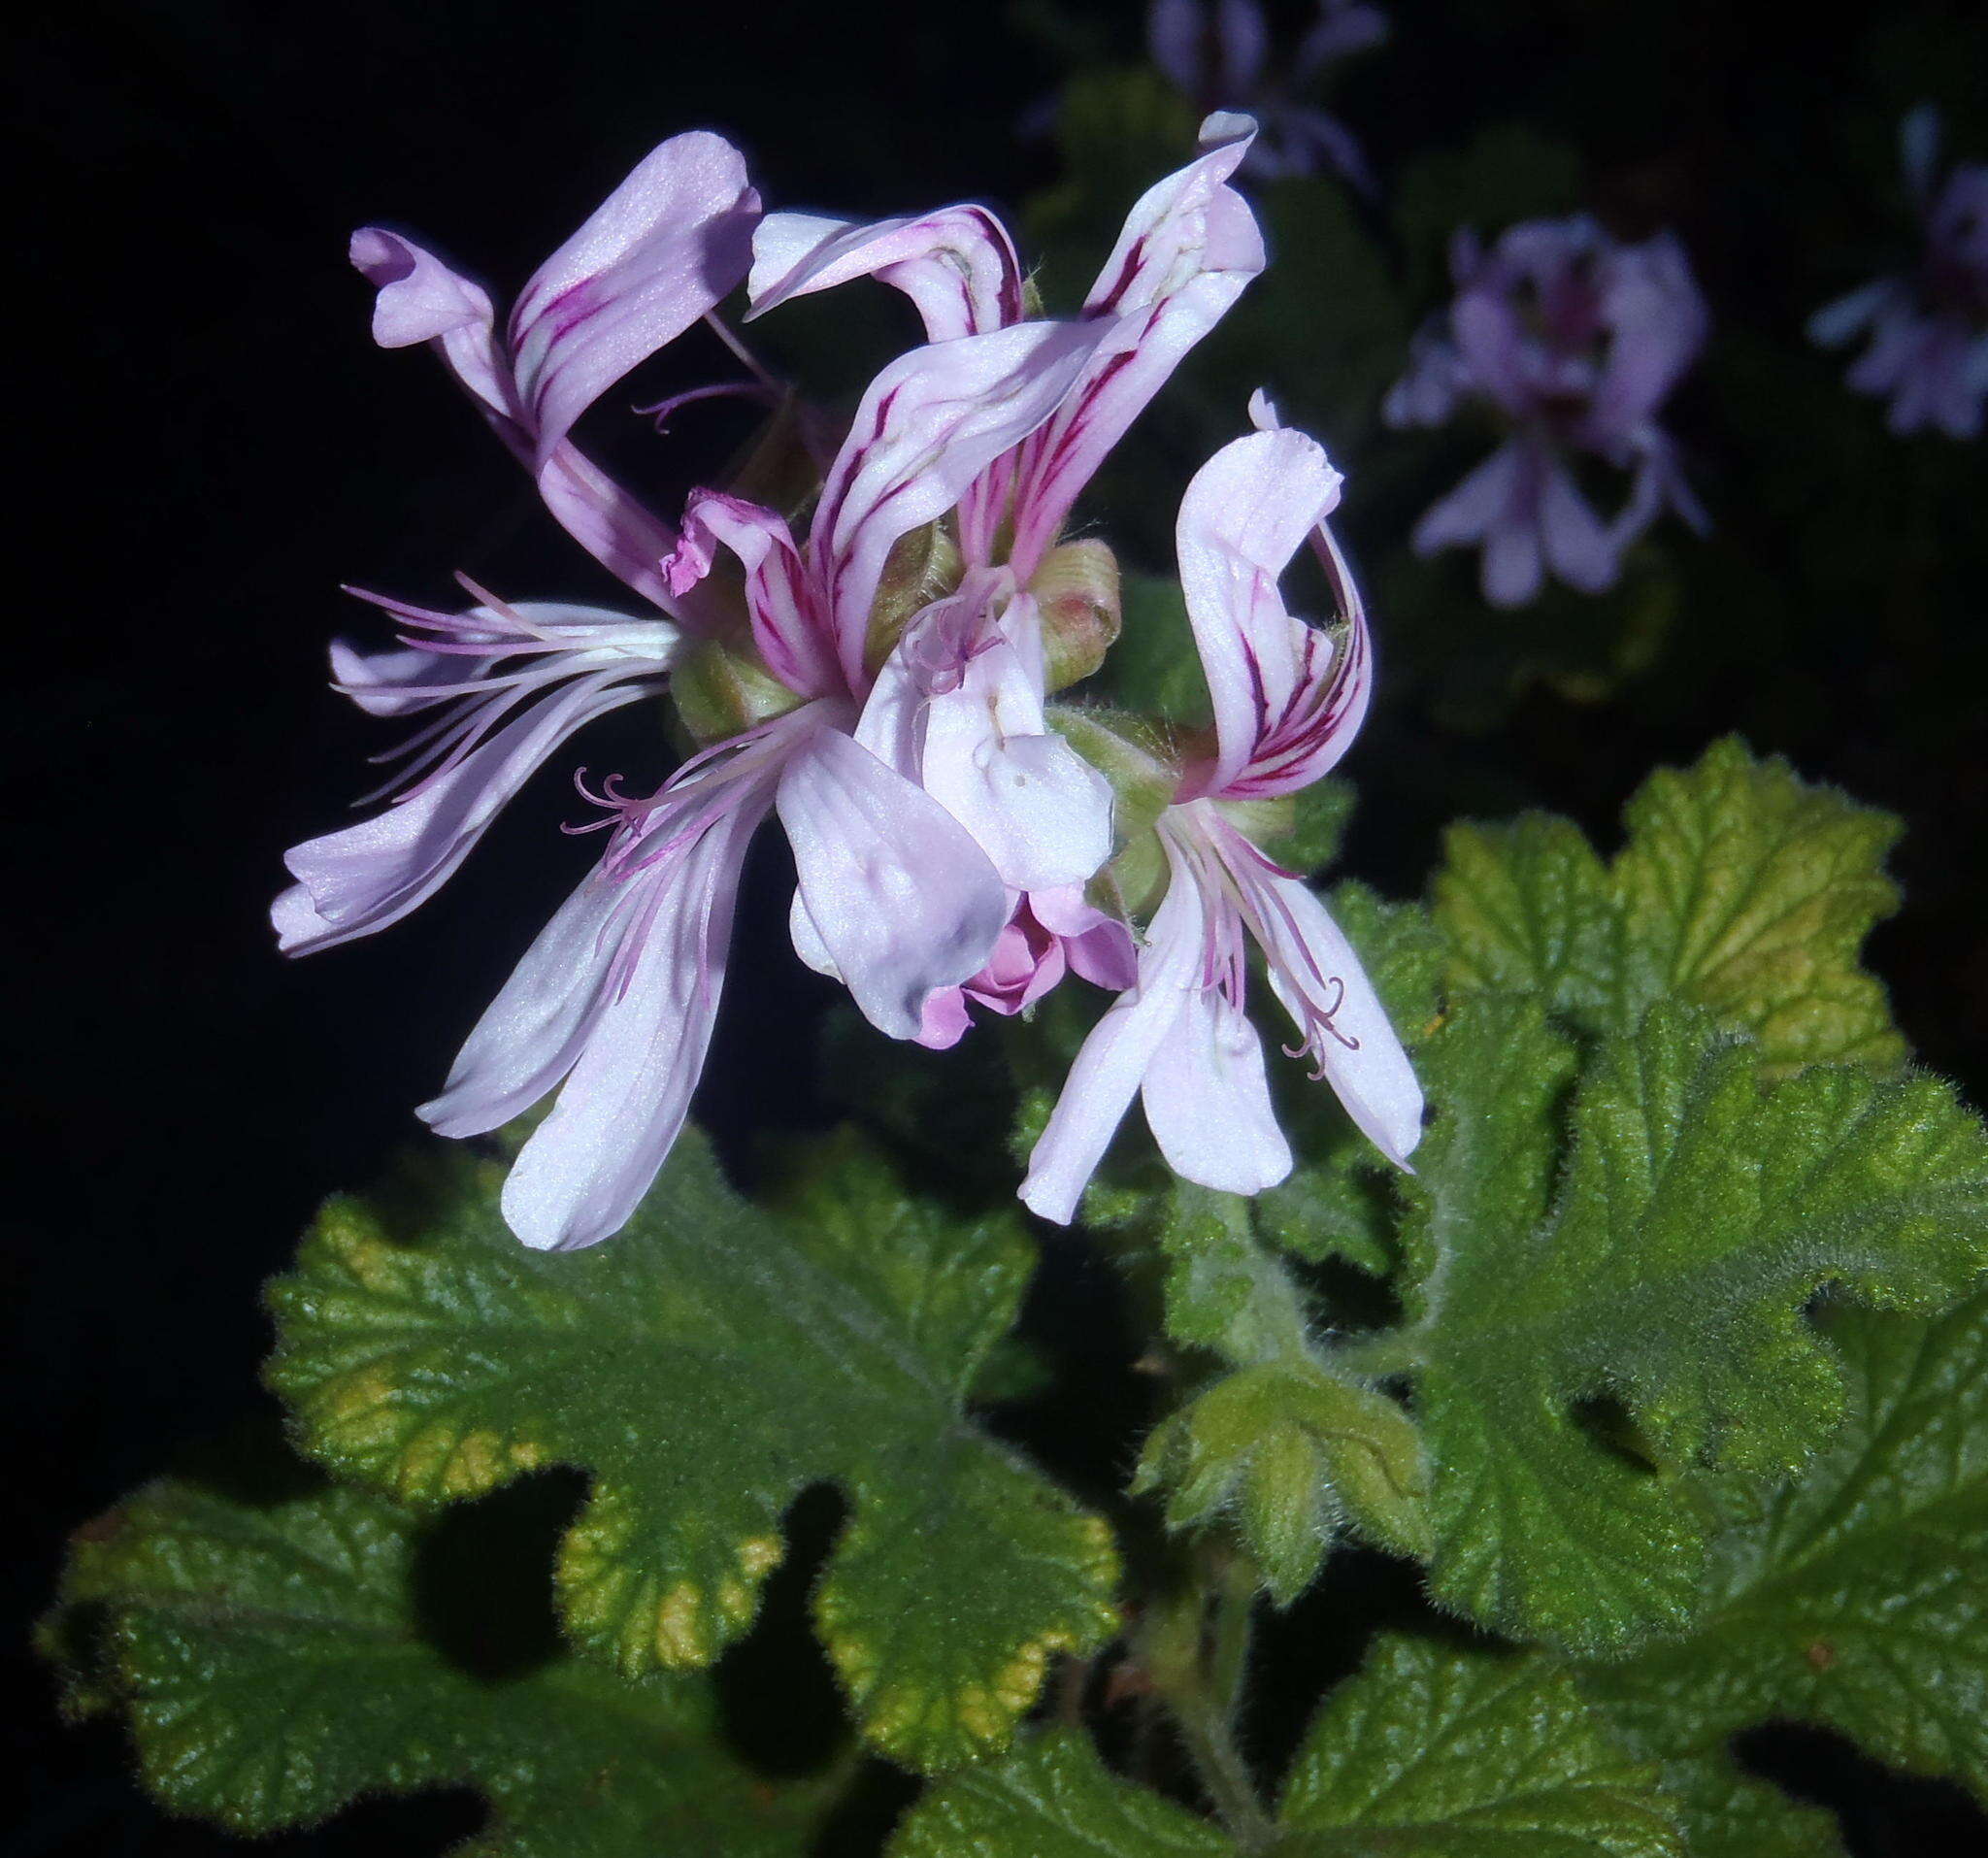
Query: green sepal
[1292, 1452]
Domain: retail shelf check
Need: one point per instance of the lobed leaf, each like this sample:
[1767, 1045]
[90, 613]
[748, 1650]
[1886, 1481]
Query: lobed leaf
[278, 1653]
[1663, 1268]
[1740, 889]
[1051, 1798]
[704, 1367]
[1849, 1598]
[1468, 1754]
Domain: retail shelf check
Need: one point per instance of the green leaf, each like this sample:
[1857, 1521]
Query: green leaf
[705, 1367]
[1740, 889]
[282, 1650]
[1051, 1798]
[1664, 1268]
[1849, 1598]
[1468, 1754]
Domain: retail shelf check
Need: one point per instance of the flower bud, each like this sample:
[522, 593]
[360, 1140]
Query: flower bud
[722, 691]
[1138, 758]
[923, 566]
[1077, 588]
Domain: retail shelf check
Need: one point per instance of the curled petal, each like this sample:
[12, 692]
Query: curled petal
[368, 876]
[1243, 516]
[899, 898]
[1099, 948]
[663, 248]
[957, 265]
[781, 592]
[930, 423]
[1188, 248]
[420, 299]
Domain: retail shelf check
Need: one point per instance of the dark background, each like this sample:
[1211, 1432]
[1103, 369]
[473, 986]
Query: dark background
[211, 445]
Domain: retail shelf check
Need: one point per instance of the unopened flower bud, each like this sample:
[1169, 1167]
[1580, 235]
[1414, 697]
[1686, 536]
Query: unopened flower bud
[722, 691]
[923, 567]
[1138, 758]
[1077, 588]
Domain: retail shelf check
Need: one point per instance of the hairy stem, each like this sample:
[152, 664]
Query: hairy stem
[1197, 1653]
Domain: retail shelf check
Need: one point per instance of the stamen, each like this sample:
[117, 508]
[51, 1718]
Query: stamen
[745, 354]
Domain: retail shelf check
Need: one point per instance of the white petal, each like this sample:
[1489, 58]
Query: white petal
[1208, 1102]
[1108, 1069]
[588, 1164]
[1365, 1065]
[1042, 812]
[902, 898]
[532, 1033]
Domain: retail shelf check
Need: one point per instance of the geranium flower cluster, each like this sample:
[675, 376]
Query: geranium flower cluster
[1571, 341]
[1928, 348]
[1220, 56]
[884, 680]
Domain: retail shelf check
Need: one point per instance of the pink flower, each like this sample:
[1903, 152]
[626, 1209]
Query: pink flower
[1288, 705]
[1219, 58]
[619, 994]
[512, 683]
[1571, 342]
[1928, 334]
[515, 681]
[959, 704]
[658, 254]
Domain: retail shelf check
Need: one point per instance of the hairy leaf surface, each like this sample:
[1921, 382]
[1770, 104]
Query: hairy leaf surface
[1660, 1270]
[1740, 889]
[279, 1655]
[705, 1367]
[1851, 1597]
[1468, 1754]
[1051, 1798]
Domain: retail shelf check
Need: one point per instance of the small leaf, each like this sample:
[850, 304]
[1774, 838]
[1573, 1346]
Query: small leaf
[1849, 1598]
[705, 1367]
[278, 1656]
[1698, 1210]
[1740, 889]
[1444, 1753]
[1051, 1798]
